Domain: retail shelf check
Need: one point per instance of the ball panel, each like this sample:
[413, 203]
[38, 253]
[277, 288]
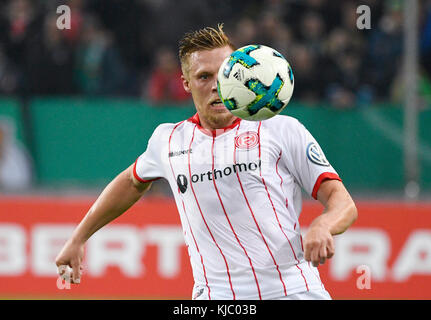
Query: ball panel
[243, 95]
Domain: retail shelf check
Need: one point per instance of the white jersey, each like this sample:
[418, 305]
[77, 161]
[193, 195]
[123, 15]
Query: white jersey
[238, 193]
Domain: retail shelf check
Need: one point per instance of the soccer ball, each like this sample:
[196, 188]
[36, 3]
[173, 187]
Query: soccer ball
[255, 82]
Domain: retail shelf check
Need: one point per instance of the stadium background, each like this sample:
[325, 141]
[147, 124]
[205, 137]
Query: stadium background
[78, 106]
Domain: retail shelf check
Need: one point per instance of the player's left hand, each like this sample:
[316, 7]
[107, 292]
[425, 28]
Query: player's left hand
[318, 244]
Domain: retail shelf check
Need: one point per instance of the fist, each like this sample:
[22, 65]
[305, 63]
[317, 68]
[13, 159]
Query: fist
[318, 245]
[69, 262]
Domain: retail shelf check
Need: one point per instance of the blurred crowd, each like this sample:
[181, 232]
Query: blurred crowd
[129, 48]
[16, 164]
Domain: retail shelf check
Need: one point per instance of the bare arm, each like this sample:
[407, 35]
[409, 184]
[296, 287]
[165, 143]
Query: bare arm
[339, 214]
[118, 196]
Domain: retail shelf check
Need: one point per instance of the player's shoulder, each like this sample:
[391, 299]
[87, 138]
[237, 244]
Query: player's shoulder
[165, 129]
[287, 129]
[282, 121]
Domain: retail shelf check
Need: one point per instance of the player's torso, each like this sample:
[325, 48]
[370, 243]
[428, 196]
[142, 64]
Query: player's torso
[214, 170]
[234, 187]
[238, 205]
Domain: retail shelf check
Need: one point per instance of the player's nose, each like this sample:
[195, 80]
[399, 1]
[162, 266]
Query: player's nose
[214, 84]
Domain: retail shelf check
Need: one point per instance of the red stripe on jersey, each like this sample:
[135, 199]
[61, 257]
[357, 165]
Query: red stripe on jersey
[185, 213]
[230, 224]
[281, 179]
[316, 275]
[254, 218]
[169, 150]
[324, 176]
[135, 174]
[273, 208]
[197, 248]
[293, 251]
[203, 218]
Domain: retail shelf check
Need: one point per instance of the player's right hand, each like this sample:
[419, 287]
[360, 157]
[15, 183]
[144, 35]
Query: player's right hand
[318, 244]
[70, 256]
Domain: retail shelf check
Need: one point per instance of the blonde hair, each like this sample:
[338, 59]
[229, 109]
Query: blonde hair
[204, 39]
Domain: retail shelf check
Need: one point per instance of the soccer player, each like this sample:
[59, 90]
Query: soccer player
[237, 185]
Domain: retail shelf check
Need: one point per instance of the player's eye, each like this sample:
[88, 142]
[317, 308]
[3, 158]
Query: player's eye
[204, 76]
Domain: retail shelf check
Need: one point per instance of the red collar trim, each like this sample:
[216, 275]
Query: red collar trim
[213, 133]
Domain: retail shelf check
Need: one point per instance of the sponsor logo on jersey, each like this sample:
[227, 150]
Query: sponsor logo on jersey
[235, 168]
[182, 183]
[179, 153]
[316, 155]
[247, 140]
[182, 180]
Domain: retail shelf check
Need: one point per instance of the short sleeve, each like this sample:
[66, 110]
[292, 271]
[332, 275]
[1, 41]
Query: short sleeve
[305, 158]
[149, 165]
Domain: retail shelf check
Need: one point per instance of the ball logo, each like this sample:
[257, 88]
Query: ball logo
[315, 155]
[247, 140]
[182, 182]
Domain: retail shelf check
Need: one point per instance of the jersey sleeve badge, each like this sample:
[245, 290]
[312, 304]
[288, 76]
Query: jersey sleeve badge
[316, 155]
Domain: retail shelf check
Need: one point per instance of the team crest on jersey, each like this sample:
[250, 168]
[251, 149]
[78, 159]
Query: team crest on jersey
[247, 140]
[316, 155]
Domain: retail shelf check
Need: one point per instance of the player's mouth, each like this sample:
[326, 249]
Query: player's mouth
[217, 104]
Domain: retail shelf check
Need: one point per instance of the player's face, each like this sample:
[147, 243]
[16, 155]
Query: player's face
[201, 82]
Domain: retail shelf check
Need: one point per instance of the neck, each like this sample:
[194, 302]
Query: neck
[216, 127]
[219, 123]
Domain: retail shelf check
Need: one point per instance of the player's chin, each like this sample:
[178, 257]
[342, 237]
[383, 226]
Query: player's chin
[218, 113]
[221, 116]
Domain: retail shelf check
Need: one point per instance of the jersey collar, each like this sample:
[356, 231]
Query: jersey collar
[213, 133]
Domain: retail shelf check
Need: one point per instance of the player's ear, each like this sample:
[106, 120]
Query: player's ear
[185, 83]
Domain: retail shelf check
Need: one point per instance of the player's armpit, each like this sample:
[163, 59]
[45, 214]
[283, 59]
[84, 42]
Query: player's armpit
[139, 185]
